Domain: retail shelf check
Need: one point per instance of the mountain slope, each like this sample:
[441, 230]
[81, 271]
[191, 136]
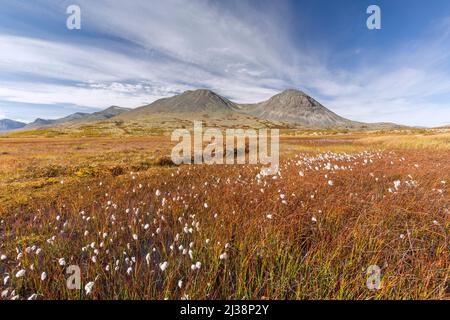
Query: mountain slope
[106, 114]
[79, 117]
[7, 125]
[199, 105]
[295, 107]
[193, 102]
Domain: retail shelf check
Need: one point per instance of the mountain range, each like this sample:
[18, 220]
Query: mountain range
[7, 125]
[79, 117]
[290, 108]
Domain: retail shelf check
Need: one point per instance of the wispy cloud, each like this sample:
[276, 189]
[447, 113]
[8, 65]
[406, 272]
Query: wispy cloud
[412, 86]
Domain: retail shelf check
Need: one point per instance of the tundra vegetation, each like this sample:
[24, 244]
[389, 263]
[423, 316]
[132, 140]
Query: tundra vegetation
[140, 227]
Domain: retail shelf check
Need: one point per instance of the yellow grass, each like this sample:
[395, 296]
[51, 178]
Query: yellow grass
[440, 141]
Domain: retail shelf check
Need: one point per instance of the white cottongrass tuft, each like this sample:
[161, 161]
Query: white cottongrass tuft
[88, 287]
[62, 262]
[43, 276]
[223, 256]
[163, 266]
[20, 273]
[196, 266]
[33, 296]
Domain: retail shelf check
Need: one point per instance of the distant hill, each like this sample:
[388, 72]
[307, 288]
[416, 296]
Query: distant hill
[78, 117]
[106, 114]
[296, 107]
[192, 102]
[202, 105]
[7, 125]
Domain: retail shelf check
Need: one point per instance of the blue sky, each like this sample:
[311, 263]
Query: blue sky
[130, 54]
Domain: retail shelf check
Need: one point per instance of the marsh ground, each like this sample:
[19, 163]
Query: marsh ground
[139, 227]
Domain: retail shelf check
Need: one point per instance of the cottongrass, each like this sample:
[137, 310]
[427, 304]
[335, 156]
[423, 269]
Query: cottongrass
[88, 287]
[20, 273]
[137, 246]
[163, 266]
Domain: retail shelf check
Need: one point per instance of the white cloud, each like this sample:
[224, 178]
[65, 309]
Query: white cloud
[82, 96]
[245, 54]
[184, 45]
[195, 32]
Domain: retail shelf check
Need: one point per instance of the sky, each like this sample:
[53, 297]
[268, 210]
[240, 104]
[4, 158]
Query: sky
[131, 53]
